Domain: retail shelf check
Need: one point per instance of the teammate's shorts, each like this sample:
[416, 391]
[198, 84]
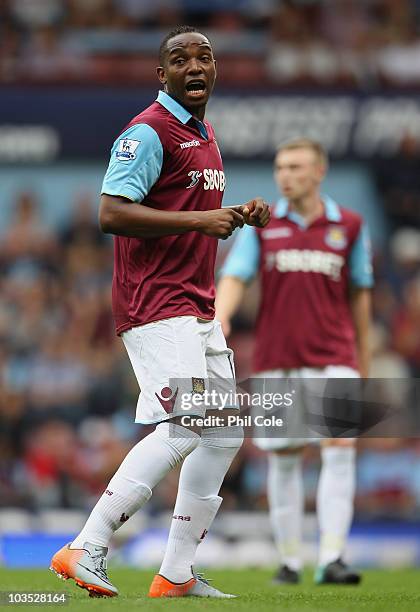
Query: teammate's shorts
[175, 358]
[333, 371]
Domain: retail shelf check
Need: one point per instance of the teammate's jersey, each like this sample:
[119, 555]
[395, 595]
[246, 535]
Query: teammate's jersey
[304, 317]
[170, 161]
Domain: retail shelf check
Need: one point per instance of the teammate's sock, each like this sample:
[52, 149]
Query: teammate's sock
[201, 477]
[335, 500]
[131, 486]
[286, 503]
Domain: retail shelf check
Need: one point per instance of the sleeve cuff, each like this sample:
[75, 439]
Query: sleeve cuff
[239, 274]
[127, 192]
[367, 284]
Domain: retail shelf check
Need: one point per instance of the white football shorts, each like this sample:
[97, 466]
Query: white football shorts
[175, 358]
[332, 371]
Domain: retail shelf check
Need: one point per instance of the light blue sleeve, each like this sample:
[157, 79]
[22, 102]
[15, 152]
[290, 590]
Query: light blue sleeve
[135, 164]
[244, 257]
[360, 263]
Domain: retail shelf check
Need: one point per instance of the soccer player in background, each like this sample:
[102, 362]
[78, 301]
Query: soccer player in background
[313, 321]
[161, 197]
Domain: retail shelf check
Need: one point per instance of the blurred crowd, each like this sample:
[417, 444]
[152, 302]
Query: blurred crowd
[265, 42]
[67, 393]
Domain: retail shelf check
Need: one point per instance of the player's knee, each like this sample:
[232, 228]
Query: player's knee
[286, 462]
[289, 451]
[339, 442]
[182, 440]
[223, 437]
[339, 459]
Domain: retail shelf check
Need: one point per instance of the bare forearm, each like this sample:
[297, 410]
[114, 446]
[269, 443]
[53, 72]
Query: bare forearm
[361, 312]
[119, 216]
[138, 221]
[229, 294]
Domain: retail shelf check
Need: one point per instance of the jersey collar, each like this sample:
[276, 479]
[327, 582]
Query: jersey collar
[332, 211]
[173, 107]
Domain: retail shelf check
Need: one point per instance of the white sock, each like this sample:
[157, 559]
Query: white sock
[131, 486]
[286, 504]
[201, 477]
[335, 500]
[192, 517]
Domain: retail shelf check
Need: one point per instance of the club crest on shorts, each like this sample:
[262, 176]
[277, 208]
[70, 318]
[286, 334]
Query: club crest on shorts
[198, 385]
[167, 399]
[336, 238]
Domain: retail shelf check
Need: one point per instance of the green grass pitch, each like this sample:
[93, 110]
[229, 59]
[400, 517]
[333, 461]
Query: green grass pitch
[381, 590]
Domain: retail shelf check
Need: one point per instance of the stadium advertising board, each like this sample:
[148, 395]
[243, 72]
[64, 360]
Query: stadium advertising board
[61, 124]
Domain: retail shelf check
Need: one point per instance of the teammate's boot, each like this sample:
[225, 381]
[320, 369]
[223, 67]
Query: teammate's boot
[86, 566]
[285, 575]
[337, 572]
[197, 586]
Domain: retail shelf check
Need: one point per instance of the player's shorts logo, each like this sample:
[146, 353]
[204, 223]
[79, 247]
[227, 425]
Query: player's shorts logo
[198, 385]
[336, 238]
[195, 177]
[167, 399]
[127, 149]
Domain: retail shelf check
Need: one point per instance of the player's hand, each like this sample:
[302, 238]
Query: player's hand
[256, 212]
[220, 223]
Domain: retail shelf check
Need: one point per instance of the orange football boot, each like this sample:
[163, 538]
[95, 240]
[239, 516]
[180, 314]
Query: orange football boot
[86, 566]
[197, 586]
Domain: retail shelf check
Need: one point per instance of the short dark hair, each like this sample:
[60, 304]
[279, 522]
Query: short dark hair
[183, 29]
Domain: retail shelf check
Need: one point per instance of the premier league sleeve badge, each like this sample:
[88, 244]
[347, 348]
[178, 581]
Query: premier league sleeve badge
[127, 149]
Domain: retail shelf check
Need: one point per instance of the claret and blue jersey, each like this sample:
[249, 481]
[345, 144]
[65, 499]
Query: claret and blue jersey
[306, 276]
[166, 159]
[139, 155]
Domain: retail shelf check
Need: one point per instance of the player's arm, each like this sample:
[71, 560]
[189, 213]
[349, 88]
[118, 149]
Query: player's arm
[135, 166]
[360, 303]
[122, 217]
[361, 278]
[239, 269]
[230, 292]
